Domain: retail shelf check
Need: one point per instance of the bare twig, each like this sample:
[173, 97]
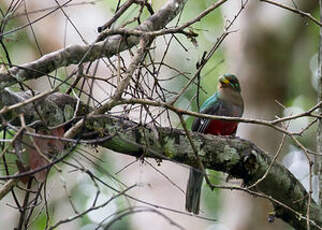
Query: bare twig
[200, 164]
[294, 10]
[120, 88]
[6, 188]
[119, 12]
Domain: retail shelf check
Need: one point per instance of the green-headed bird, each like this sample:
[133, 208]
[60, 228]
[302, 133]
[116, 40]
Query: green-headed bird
[227, 101]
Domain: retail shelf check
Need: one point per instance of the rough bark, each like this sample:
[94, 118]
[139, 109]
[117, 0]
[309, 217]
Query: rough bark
[317, 159]
[77, 54]
[237, 157]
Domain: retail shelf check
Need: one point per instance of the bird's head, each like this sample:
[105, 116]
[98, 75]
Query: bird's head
[229, 81]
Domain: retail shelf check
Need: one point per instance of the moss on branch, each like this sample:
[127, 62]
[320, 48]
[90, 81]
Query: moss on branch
[237, 157]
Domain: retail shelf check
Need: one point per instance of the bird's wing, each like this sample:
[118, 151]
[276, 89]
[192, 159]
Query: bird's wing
[211, 107]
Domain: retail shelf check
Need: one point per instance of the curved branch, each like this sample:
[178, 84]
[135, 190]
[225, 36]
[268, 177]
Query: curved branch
[237, 157]
[76, 54]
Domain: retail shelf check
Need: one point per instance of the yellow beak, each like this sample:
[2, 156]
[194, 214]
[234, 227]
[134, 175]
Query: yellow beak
[224, 80]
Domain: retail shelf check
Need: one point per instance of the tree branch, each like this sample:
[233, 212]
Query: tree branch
[235, 156]
[240, 158]
[76, 54]
[296, 11]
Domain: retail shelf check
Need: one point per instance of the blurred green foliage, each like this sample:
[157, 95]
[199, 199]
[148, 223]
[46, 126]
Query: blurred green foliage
[209, 29]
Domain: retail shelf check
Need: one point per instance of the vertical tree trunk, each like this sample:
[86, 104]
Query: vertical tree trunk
[318, 159]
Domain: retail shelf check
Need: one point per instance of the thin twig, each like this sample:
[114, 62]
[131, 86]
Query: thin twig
[294, 10]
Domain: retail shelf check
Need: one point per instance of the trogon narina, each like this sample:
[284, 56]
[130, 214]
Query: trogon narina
[227, 101]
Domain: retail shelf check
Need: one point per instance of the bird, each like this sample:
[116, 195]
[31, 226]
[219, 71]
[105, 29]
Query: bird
[226, 101]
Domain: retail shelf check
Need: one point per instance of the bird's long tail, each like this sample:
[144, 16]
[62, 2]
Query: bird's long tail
[193, 191]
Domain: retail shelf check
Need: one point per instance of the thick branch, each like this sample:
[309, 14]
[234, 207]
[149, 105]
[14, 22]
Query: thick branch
[76, 54]
[239, 158]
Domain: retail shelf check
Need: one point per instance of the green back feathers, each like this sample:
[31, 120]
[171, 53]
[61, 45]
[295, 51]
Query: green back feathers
[209, 102]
